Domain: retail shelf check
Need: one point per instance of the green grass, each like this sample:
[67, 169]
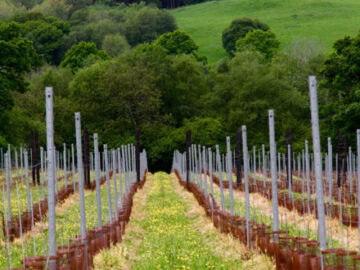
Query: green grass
[170, 241]
[67, 226]
[321, 20]
[36, 192]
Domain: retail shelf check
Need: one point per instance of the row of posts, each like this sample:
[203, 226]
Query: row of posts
[128, 161]
[130, 165]
[198, 160]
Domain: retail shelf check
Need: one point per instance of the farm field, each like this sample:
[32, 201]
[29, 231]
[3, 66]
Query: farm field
[130, 139]
[321, 22]
[169, 228]
[128, 218]
[35, 241]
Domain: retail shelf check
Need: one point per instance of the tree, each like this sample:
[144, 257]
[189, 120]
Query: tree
[177, 42]
[115, 97]
[77, 56]
[8, 9]
[181, 80]
[147, 24]
[115, 45]
[47, 34]
[16, 58]
[57, 8]
[264, 42]
[160, 141]
[341, 73]
[29, 110]
[238, 29]
[244, 93]
[28, 4]
[78, 4]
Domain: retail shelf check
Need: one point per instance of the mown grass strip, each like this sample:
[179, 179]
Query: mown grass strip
[170, 240]
[169, 230]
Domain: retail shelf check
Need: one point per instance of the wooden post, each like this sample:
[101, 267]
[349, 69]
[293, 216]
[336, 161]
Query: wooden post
[188, 145]
[97, 178]
[229, 173]
[358, 176]
[238, 158]
[51, 174]
[273, 171]
[307, 170]
[73, 167]
[108, 188]
[218, 162]
[8, 187]
[114, 168]
[80, 173]
[330, 170]
[264, 165]
[64, 162]
[27, 179]
[86, 158]
[137, 155]
[246, 180]
[317, 160]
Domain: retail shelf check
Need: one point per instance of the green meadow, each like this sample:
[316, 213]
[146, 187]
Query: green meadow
[322, 22]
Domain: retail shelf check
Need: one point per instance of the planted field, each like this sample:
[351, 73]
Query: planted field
[63, 217]
[237, 210]
[321, 21]
[172, 232]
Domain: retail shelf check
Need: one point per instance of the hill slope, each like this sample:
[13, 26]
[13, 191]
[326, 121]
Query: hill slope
[320, 20]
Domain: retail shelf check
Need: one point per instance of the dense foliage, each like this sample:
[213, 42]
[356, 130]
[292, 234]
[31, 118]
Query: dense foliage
[127, 66]
[264, 42]
[80, 54]
[47, 34]
[238, 29]
[342, 73]
[17, 56]
[177, 42]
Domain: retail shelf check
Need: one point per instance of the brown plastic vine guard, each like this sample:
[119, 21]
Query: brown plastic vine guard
[38, 262]
[300, 258]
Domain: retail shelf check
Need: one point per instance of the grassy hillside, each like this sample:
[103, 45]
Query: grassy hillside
[319, 20]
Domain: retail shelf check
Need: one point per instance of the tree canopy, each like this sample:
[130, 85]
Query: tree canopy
[177, 42]
[77, 56]
[264, 42]
[342, 72]
[147, 25]
[17, 57]
[127, 66]
[47, 34]
[238, 29]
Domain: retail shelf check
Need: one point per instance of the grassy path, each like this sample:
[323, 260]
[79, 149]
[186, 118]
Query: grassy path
[170, 231]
